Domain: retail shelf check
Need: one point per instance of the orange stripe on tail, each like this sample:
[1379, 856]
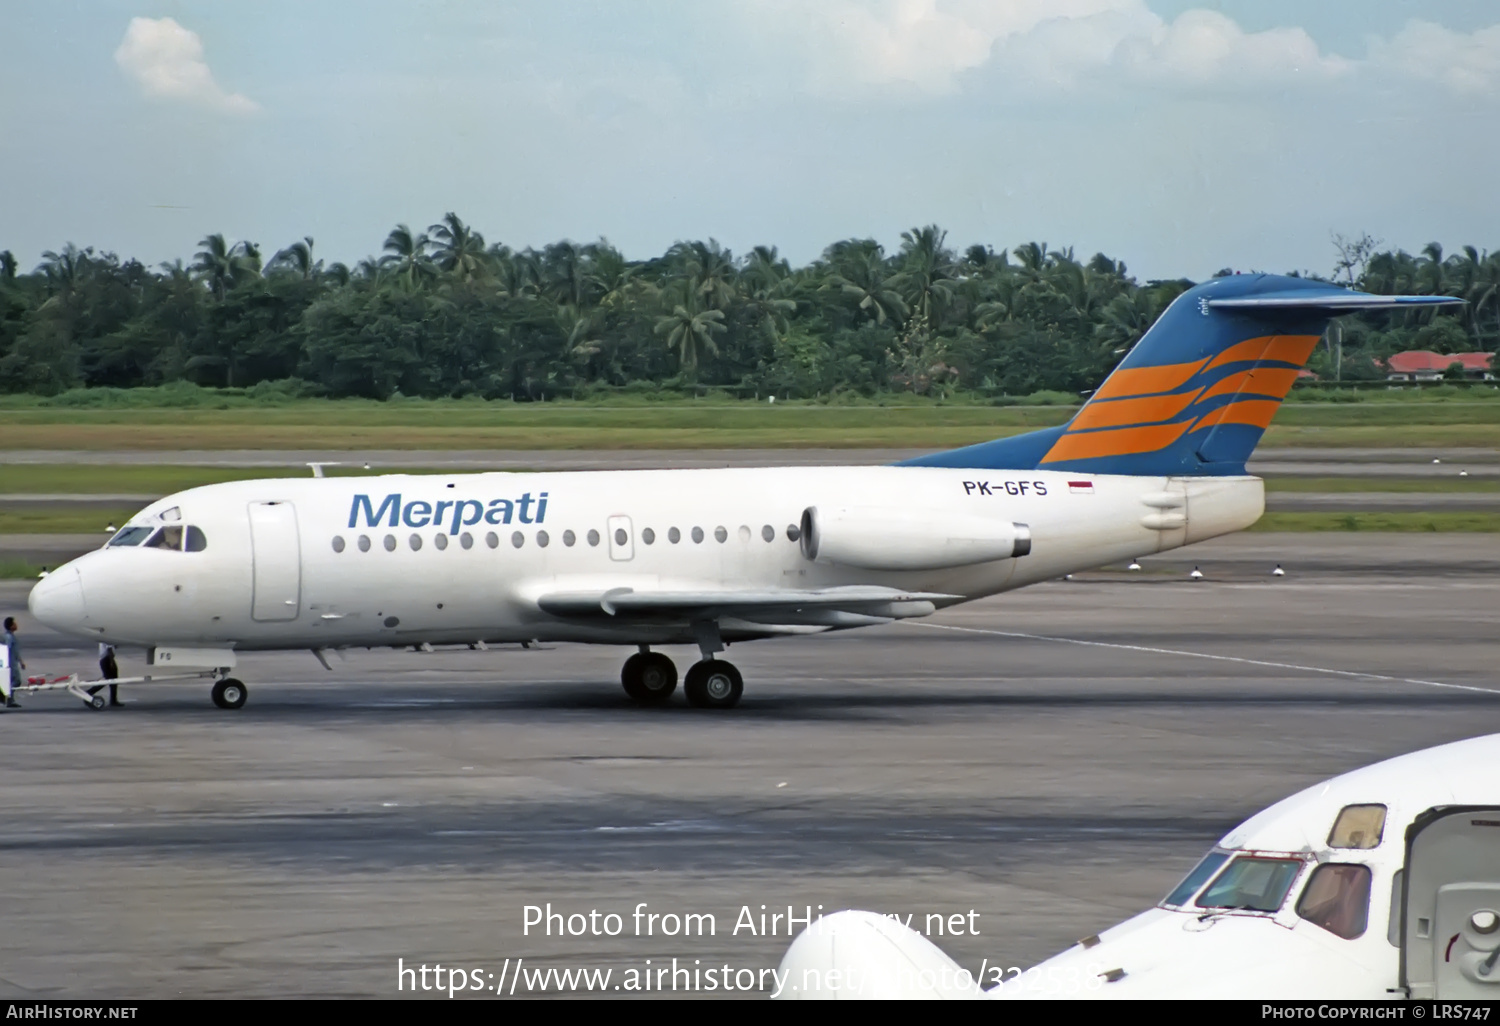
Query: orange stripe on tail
[1147, 410]
[1145, 380]
[1255, 412]
[1089, 445]
[1281, 348]
[1274, 381]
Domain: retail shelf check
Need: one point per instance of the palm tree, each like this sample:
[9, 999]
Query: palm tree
[407, 253]
[63, 270]
[224, 266]
[612, 273]
[8, 265]
[767, 282]
[926, 278]
[864, 280]
[297, 258]
[690, 330]
[458, 249]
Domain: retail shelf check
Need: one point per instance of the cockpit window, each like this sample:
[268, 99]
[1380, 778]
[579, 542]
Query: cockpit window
[1196, 879]
[166, 538]
[1253, 883]
[1358, 826]
[1337, 898]
[196, 542]
[130, 536]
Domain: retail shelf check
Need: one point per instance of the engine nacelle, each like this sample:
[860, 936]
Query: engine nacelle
[882, 538]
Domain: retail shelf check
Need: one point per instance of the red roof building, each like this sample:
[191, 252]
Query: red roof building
[1425, 365]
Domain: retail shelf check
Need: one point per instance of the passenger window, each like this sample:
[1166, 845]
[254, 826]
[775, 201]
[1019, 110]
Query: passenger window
[673, 535]
[1252, 883]
[390, 543]
[364, 543]
[1358, 826]
[440, 540]
[517, 539]
[570, 539]
[648, 536]
[793, 532]
[492, 539]
[196, 542]
[466, 540]
[697, 535]
[415, 541]
[593, 537]
[1337, 898]
[542, 539]
[768, 533]
[721, 535]
[1183, 893]
[338, 544]
[166, 538]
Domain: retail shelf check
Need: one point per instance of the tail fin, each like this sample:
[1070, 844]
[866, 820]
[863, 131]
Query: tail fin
[1198, 391]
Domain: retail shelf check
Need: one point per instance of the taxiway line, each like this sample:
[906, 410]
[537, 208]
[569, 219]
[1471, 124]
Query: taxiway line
[1205, 655]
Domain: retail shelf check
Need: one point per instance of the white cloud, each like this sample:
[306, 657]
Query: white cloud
[1042, 43]
[166, 61]
[1468, 65]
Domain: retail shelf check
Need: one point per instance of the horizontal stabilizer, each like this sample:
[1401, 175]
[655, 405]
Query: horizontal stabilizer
[1331, 300]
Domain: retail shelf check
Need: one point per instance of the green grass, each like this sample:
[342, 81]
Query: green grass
[18, 569]
[1406, 485]
[62, 520]
[148, 479]
[1405, 522]
[209, 420]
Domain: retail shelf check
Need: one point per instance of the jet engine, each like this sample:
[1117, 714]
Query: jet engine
[882, 538]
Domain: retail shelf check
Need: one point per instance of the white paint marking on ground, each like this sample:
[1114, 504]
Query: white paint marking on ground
[1204, 655]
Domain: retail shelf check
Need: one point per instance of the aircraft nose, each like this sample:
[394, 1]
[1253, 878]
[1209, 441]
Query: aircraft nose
[57, 600]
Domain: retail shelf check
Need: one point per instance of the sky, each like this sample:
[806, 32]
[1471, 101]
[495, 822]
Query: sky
[1178, 136]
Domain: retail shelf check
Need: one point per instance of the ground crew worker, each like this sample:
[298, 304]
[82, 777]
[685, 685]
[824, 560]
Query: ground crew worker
[13, 651]
[110, 669]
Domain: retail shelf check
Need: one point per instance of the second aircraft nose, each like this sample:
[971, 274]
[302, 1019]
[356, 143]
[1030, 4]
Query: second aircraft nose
[57, 600]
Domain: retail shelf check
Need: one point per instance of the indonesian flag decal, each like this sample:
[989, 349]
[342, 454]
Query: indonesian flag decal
[1081, 487]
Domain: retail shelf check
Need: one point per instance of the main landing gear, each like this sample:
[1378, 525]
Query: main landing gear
[229, 693]
[650, 678]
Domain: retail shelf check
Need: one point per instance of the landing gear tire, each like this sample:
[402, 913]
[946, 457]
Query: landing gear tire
[97, 702]
[649, 678]
[713, 684]
[229, 694]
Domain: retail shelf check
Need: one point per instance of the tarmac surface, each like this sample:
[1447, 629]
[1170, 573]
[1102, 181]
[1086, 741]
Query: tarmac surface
[1053, 760]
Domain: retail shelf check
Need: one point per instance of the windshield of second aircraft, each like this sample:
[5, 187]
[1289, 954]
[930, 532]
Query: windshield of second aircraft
[130, 536]
[1183, 892]
[1252, 882]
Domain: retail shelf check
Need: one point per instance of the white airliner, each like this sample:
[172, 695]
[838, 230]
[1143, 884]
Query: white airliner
[1154, 460]
[1379, 884]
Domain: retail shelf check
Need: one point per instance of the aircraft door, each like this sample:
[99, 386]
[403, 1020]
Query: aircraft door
[276, 551]
[1451, 929]
[621, 539]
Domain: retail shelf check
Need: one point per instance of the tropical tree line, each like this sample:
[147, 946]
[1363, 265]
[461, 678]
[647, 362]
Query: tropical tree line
[442, 312]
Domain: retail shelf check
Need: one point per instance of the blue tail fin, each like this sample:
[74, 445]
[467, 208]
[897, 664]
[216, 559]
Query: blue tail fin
[1198, 391]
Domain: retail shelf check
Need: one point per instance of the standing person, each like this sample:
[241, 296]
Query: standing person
[110, 669]
[13, 650]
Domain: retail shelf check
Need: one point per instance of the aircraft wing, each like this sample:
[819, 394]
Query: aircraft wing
[772, 605]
